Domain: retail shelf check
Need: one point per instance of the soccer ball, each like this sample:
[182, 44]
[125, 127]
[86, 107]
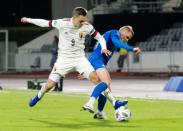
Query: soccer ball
[122, 114]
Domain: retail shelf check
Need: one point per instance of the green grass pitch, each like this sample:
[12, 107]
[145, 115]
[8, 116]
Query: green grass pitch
[61, 112]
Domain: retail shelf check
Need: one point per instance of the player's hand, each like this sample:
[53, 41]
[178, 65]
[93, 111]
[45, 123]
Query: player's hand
[81, 77]
[137, 50]
[106, 52]
[24, 19]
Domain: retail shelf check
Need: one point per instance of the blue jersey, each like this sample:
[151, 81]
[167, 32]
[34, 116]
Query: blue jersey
[113, 41]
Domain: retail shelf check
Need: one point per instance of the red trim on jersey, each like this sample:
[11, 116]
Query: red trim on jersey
[94, 34]
[50, 23]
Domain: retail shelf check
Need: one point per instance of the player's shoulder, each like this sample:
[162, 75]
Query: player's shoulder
[63, 20]
[87, 25]
[66, 19]
[114, 33]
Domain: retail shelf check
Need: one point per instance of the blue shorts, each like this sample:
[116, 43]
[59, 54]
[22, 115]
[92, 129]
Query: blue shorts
[96, 62]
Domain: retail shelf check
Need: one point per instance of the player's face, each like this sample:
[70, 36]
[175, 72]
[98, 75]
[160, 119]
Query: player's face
[126, 35]
[79, 20]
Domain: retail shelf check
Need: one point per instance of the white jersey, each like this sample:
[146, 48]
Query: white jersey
[71, 39]
[71, 56]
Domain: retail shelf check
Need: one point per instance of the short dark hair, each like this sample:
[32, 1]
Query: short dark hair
[79, 11]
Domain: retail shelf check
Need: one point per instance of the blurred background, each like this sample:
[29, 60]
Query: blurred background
[158, 26]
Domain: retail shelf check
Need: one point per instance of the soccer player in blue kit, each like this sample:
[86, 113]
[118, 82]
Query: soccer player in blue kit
[114, 39]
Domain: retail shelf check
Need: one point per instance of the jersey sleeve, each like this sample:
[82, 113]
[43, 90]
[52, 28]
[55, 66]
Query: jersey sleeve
[119, 43]
[38, 22]
[56, 23]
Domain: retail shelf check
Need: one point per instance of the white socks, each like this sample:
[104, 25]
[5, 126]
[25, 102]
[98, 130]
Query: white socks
[91, 101]
[42, 91]
[109, 96]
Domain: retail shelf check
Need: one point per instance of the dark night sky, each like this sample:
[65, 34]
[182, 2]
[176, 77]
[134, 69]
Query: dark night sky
[12, 10]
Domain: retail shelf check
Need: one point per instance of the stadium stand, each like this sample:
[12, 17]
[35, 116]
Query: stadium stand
[110, 6]
[167, 40]
[135, 6]
[170, 5]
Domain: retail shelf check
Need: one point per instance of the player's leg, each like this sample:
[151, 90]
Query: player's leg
[85, 68]
[98, 63]
[102, 86]
[60, 87]
[104, 76]
[53, 78]
[101, 103]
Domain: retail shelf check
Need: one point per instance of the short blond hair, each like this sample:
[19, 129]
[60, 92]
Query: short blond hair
[129, 28]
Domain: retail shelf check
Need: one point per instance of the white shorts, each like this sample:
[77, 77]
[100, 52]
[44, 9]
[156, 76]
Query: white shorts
[65, 66]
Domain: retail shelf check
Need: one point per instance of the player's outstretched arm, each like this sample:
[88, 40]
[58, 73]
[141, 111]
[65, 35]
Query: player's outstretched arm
[38, 22]
[120, 44]
[24, 20]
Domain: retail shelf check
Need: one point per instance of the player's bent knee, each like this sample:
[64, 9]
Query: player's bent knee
[95, 81]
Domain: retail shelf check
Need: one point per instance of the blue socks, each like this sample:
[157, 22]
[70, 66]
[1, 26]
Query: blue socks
[101, 102]
[99, 89]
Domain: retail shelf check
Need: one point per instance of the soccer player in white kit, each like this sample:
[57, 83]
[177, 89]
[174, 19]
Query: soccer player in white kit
[71, 56]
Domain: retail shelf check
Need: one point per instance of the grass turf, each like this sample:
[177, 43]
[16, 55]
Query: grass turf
[61, 111]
